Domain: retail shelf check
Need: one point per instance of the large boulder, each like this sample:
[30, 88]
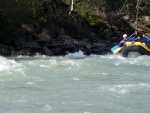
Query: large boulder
[30, 30]
[21, 43]
[6, 50]
[46, 51]
[44, 38]
[97, 48]
[25, 52]
[18, 43]
[31, 45]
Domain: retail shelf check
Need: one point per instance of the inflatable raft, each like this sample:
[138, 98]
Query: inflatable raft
[132, 49]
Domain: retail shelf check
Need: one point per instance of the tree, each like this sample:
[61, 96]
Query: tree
[71, 9]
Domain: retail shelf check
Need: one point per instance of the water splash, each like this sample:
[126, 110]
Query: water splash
[124, 88]
[76, 55]
[9, 65]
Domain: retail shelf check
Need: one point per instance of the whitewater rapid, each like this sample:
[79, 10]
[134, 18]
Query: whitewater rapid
[74, 83]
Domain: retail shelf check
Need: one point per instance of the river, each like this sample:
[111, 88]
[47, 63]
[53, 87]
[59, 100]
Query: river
[75, 83]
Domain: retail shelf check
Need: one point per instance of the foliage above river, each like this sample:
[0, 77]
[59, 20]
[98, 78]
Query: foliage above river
[102, 15]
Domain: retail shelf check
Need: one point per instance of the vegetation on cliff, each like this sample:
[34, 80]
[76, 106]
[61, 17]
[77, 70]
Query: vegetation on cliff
[117, 16]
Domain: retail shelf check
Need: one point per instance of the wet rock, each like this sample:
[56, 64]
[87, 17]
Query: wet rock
[98, 48]
[46, 51]
[55, 25]
[69, 47]
[64, 37]
[44, 37]
[58, 51]
[31, 31]
[31, 45]
[18, 43]
[22, 52]
[107, 35]
[83, 46]
[24, 44]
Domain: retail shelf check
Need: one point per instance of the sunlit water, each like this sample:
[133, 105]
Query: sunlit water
[75, 84]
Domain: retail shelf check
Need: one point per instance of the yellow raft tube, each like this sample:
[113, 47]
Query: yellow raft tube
[133, 47]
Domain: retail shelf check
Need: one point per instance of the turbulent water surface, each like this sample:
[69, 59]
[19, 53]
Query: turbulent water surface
[75, 84]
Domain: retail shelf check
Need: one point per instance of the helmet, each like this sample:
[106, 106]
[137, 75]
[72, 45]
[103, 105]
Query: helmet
[125, 35]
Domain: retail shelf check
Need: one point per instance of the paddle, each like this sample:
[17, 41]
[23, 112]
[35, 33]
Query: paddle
[146, 37]
[131, 36]
[113, 49]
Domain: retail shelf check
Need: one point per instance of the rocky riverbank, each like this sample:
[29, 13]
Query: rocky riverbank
[51, 29]
[53, 38]
[52, 47]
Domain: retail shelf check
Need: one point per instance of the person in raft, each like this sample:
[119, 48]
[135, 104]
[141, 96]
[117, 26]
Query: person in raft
[133, 37]
[146, 40]
[123, 41]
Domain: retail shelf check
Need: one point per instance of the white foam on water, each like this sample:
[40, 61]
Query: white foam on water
[104, 74]
[124, 88]
[65, 63]
[97, 78]
[75, 79]
[87, 112]
[53, 62]
[47, 107]
[78, 54]
[71, 63]
[75, 60]
[117, 60]
[141, 60]
[120, 90]
[112, 56]
[44, 66]
[9, 65]
[22, 100]
[30, 83]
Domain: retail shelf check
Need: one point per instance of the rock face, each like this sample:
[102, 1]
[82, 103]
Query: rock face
[52, 47]
[59, 35]
[51, 30]
[6, 50]
[54, 38]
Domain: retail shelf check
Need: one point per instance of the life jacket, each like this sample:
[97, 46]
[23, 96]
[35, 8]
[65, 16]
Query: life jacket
[121, 43]
[133, 38]
[146, 39]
